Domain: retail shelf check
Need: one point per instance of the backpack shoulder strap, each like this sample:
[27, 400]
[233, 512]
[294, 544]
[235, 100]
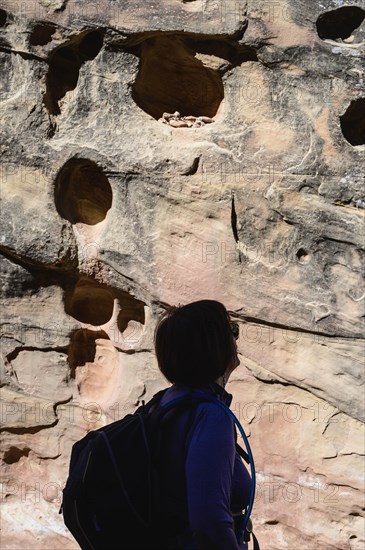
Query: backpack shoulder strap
[152, 403]
[197, 397]
[242, 453]
[165, 415]
[204, 397]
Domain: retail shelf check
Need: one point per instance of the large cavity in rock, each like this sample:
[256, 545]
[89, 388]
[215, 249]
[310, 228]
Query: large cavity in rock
[353, 122]
[82, 192]
[340, 23]
[171, 79]
[64, 66]
[90, 302]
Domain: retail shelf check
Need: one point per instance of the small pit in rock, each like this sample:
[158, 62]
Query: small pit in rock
[303, 256]
[353, 122]
[64, 67]
[82, 192]
[90, 303]
[339, 23]
[41, 34]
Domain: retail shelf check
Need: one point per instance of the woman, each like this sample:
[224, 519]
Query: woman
[204, 477]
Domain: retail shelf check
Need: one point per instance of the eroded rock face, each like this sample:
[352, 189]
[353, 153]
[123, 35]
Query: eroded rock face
[109, 215]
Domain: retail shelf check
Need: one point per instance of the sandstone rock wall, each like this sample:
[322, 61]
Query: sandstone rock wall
[109, 215]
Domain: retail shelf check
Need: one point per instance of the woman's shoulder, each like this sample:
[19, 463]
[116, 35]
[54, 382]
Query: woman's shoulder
[207, 412]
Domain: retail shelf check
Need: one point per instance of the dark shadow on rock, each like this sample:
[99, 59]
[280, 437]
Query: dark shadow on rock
[131, 310]
[83, 347]
[3, 18]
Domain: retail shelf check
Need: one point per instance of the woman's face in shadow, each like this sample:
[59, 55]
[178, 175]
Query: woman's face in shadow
[236, 360]
[235, 336]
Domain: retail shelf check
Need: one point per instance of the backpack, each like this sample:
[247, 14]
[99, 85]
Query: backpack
[112, 499]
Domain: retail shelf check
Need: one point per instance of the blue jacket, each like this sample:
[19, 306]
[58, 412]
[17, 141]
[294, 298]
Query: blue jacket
[217, 481]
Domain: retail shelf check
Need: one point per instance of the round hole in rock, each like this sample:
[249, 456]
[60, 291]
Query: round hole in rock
[82, 192]
[353, 122]
[41, 34]
[303, 256]
[171, 78]
[339, 23]
[3, 17]
[90, 303]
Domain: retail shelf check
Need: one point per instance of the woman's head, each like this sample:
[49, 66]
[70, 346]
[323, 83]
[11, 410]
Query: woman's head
[194, 343]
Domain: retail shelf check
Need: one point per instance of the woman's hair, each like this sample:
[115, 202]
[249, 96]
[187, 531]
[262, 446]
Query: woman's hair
[194, 343]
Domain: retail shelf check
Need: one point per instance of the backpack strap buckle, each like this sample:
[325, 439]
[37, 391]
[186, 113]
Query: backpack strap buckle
[249, 526]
